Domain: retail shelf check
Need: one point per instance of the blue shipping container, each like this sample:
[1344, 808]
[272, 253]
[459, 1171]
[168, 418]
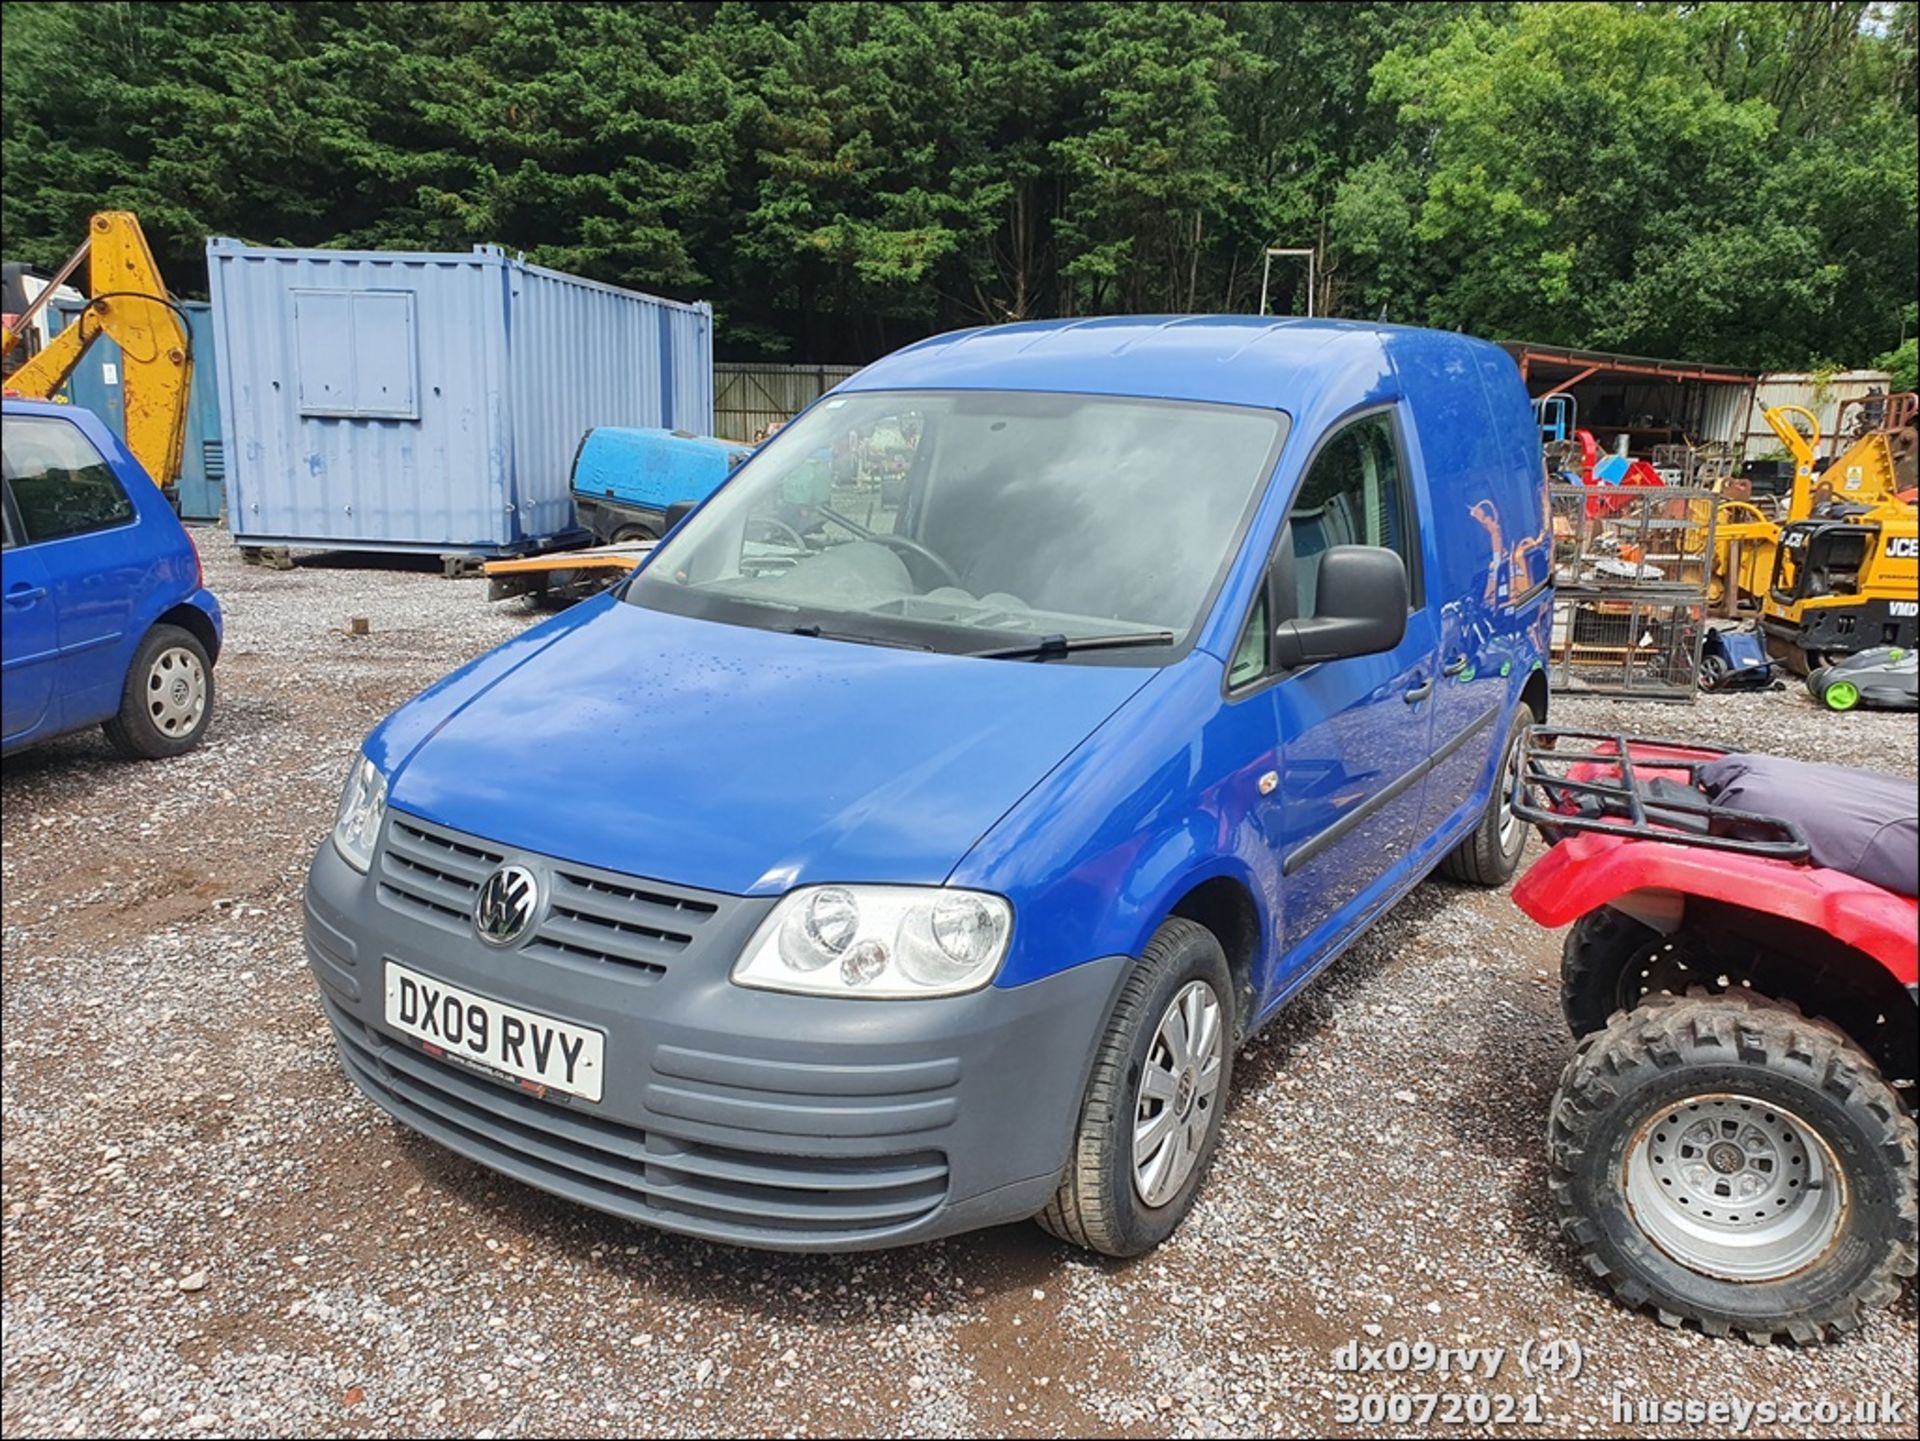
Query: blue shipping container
[96, 385]
[376, 400]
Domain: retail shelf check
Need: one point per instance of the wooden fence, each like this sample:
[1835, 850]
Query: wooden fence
[748, 398]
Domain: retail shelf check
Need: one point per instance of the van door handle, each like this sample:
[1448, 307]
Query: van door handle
[1420, 692]
[1454, 667]
[24, 595]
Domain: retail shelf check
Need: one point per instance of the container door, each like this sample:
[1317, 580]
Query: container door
[202, 462]
[95, 383]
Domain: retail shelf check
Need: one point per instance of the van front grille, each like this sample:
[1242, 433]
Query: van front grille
[434, 874]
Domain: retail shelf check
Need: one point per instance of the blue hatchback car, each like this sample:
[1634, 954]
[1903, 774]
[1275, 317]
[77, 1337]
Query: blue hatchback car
[889, 858]
[104, 619]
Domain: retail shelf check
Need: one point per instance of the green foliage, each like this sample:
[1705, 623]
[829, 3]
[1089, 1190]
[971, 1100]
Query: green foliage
[1730, 182]
[1904, 364]
[1591, 185]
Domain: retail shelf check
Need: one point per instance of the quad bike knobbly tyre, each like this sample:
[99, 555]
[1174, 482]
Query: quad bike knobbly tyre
[1611, 962]
[1727, 1161]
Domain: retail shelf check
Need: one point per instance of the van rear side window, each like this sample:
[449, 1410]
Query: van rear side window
[61, 484]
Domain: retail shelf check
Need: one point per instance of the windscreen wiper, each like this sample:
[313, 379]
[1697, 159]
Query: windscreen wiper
[1048, 647]
[814, 632]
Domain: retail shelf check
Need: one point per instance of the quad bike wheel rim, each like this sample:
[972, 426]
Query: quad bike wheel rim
[1842, 695]
[1735, 1188]
[1179, 1088]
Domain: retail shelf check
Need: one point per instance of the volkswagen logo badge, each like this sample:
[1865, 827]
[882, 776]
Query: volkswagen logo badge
[506, 905]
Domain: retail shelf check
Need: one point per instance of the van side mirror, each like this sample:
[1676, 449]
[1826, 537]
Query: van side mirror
[1360, 609]
[678, 512]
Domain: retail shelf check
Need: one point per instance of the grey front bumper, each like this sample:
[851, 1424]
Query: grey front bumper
[788, 1122]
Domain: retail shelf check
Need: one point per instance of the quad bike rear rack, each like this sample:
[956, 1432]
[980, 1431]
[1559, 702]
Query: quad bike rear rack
[1638, 789]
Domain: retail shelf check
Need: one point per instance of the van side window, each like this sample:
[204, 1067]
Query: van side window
[1353, 494]
[61, 485]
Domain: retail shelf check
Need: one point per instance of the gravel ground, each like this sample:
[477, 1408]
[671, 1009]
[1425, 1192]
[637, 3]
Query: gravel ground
[207, 1230]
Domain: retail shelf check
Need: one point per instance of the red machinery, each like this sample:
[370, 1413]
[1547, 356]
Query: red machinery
[1733, 1141]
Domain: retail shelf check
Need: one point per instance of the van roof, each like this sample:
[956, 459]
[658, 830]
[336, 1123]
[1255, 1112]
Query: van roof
[24, 405]
[1257, 360]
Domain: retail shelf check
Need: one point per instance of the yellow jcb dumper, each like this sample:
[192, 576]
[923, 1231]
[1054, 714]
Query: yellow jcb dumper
[1841, 571]
[128, 304]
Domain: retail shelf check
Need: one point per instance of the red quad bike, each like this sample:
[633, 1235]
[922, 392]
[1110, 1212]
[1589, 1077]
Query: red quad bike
[1733, 1141]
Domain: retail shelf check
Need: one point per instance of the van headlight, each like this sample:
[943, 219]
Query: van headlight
[884, 942]
[363, 805]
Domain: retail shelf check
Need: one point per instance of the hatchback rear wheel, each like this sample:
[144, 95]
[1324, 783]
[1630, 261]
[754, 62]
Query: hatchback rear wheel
[168, 698]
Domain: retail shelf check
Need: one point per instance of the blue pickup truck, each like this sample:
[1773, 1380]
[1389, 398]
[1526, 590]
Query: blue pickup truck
[104, 615]
[888, 857]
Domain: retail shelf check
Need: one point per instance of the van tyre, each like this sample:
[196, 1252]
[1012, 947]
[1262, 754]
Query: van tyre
[1150, 1121]
[1725, 1161]
[168, 699]
[1491, 854]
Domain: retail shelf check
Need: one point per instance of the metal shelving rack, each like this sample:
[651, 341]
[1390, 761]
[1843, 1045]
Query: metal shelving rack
[1631, 573]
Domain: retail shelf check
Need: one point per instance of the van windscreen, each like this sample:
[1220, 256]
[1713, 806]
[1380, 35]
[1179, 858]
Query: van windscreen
[974, 519]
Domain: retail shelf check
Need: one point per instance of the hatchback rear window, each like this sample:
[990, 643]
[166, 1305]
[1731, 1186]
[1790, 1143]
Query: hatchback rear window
[61, 483]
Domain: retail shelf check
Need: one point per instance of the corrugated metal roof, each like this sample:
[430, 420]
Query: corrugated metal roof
[1531, 356]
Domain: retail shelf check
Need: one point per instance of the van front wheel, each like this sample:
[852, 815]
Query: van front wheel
[1150, 1121]
[1491, 852]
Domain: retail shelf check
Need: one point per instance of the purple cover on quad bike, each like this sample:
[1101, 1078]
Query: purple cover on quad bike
[1865, 823]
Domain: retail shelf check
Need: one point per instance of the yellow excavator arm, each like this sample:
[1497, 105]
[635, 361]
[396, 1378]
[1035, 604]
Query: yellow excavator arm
[1801, 445]
[129, 306]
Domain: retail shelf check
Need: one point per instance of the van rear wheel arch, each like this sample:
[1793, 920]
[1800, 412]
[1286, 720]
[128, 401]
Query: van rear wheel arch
[1490, 854]
[1533, 695]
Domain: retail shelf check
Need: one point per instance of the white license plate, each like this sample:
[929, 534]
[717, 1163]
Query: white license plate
[523, 1044]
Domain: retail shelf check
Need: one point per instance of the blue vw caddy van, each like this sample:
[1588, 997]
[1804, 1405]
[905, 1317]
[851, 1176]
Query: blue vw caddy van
[886, 859]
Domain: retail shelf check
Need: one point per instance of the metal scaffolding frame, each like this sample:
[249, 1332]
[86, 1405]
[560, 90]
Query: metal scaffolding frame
[1631, 573]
